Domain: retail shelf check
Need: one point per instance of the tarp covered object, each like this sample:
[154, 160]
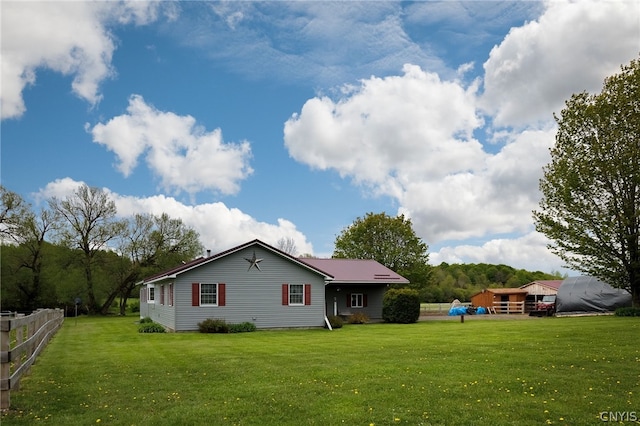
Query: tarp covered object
[588, 294]
[464, 310]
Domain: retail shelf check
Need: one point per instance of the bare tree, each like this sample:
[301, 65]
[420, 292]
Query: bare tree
[287, 245]
[88, 223]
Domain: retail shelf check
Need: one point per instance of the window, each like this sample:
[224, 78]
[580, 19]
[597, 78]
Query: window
[170, 294]
[356, 300]
[162, 295]
[208, 294]
[296, 294]
[152, 294]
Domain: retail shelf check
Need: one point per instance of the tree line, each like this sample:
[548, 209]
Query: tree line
[461, 281]
[77, 249]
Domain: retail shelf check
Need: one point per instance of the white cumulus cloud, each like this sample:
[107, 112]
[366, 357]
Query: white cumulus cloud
[219, 226]
[569, 49]
[411, 137]
[184, 155]
[408, 126]
[68, 37]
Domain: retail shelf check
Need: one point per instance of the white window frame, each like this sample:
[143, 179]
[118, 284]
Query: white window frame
[358, 298]
[151, 294]
[170, 294]
[292, 294]
[216, 294]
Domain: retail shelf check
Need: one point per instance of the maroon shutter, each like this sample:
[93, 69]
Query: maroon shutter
[222, 294]
[285, 294]
[195, 294]
[348, 300]
[364, 300]
[307, 294]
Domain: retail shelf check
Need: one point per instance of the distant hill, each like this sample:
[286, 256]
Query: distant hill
[460, 281]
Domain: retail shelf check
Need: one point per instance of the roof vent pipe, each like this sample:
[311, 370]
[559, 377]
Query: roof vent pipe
[208, 253]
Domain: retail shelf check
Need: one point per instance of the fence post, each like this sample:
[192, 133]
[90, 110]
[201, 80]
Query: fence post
[5, 366]
[42, 322]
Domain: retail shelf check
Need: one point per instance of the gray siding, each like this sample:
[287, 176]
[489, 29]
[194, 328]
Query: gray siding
[251, 295]
[160, 311]
[375, 295]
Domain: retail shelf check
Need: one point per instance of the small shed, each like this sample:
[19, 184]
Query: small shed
[536, 290]
[502, 300]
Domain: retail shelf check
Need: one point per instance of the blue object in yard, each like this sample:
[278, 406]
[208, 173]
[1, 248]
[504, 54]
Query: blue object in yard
[481, 311]
[458, 310]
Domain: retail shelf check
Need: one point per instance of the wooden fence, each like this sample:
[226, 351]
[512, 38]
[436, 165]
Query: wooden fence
[509, 307]
[22, 338]
[497, 308]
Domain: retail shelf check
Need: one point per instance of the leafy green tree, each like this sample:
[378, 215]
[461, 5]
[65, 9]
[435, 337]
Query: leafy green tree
[150, 244]
[388, 240]
[28, 230]
[590, 206]
[13, 209]
[89, 223]
[31, 233]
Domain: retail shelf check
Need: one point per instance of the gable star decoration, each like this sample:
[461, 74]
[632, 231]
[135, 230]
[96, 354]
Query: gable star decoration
[253, 262]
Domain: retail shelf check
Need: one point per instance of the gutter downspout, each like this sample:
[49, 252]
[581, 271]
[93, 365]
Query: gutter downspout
[326, 320]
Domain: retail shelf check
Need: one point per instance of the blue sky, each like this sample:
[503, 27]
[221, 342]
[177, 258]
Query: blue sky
[291, 119]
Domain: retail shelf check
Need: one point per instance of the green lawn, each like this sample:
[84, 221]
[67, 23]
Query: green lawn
[484, 372]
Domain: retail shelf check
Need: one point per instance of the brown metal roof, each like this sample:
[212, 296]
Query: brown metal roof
[363, 271]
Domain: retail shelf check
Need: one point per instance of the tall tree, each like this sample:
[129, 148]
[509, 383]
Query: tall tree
[31, 235]
[590, 206]
[22, 226]
[389, 240]
[13, 209]
[150, 244]
[89, 223]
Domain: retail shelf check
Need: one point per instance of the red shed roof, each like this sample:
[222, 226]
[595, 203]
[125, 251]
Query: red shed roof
[363, 271]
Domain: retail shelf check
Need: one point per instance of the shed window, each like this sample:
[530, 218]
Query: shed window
[170, 294]
[152, 294]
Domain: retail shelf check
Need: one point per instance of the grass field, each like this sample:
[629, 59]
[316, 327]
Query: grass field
[480, 372]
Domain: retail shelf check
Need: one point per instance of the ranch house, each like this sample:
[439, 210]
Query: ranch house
[255, 282]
